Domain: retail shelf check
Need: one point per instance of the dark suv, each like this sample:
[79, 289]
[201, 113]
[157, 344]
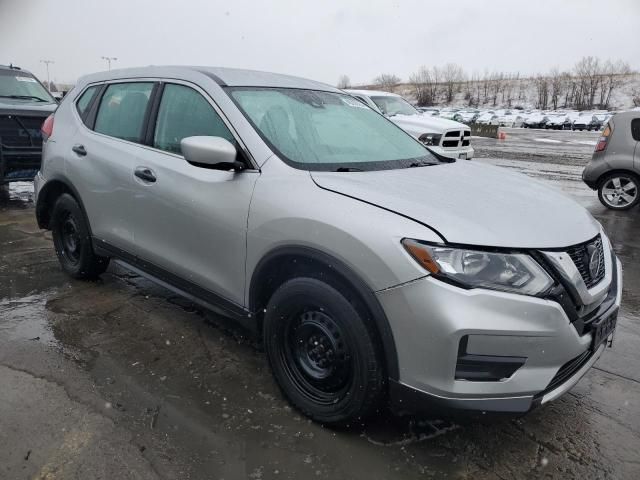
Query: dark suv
[24, 104]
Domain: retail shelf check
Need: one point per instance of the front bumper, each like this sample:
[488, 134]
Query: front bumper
[455, 153]
[19, 163]
[429, 319]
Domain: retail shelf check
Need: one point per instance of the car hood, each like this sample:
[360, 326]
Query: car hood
[470, 203]
[20, 107]
[419, 124]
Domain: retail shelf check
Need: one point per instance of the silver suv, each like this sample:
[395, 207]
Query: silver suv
[374, 271]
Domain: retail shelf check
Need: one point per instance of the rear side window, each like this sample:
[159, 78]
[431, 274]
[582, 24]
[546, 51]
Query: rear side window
[184, 113]
[122, 110]
[85, 100]
[635, 129]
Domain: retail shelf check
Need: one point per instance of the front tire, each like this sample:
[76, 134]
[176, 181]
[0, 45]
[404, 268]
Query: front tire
[619, 191]
[72, 240]
[323, 354]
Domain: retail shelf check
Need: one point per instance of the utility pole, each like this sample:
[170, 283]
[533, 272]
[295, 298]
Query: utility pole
[109, 60]
[47, 63]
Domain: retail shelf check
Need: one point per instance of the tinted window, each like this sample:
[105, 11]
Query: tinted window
[85, 100]
[122, 110]
[635, 129]
[184, 113]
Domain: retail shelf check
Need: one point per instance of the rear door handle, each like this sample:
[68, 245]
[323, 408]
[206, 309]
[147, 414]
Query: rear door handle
[79, 150]
[145, 174]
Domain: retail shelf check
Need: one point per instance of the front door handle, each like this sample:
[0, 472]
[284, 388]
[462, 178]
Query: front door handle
[145, 174]
[79, 150]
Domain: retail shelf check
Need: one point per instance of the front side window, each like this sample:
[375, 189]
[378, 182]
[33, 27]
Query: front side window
[22, 87]
[122, 110]
[318, 130]
[394, 106]
[184, 113]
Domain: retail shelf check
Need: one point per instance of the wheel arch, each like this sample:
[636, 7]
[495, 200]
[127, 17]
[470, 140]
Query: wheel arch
[608, 173]
[47, 196]
[284, 263]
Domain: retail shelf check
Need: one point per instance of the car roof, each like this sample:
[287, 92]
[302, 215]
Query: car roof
[13, 68]
[371, 93]
[232, 77]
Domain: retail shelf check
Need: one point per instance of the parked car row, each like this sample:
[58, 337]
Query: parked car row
[556, 120]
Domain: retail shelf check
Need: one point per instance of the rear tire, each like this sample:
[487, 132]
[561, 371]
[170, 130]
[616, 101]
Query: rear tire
[324, 356]
[619, 191]
[72, 240]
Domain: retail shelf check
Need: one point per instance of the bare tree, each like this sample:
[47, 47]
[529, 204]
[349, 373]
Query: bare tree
[569, 86]
[588, 71]
[542, 88]
[425, 85]
[452, 76]
[613, 77]
[344, 82]
[386, 81]
[556, 82]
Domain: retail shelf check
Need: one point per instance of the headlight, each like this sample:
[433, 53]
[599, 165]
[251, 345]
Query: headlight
[430, 138]
[509, 272]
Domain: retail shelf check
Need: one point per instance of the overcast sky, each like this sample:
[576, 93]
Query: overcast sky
[319, 39]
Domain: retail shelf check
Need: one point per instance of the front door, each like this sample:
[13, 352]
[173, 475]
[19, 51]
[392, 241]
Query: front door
[191, 221]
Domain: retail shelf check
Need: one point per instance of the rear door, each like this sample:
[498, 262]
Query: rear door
[191, 221]
[104, 154]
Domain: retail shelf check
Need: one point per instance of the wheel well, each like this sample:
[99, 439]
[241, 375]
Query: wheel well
[611, 172]
[296, 262]
[47, 199]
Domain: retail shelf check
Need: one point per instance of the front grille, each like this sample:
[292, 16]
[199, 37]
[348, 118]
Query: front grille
[568, 369]
[467, 133]
[465, 143]
[20, 131]
[583, 255]
[452, 133]
[450, 143]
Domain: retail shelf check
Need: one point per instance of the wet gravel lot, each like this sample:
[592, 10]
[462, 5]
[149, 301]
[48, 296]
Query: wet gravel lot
[120, 379]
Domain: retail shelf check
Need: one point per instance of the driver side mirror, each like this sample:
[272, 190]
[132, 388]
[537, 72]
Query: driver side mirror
[211, 152]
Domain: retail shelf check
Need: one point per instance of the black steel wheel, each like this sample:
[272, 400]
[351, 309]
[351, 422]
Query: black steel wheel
[72, 240]
[324, 356]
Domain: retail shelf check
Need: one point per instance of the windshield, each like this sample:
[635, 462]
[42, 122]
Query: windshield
[22, 86]
[318, 130]
[394, 105]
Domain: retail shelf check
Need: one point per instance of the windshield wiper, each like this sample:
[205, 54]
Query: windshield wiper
[421, 164]
[348, 169]
[24, 97]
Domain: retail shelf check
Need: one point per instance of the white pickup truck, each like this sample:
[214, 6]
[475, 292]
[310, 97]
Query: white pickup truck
[445, 137]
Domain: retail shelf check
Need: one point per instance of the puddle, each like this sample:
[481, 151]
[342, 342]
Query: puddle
[25, 318]
[17, 194]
